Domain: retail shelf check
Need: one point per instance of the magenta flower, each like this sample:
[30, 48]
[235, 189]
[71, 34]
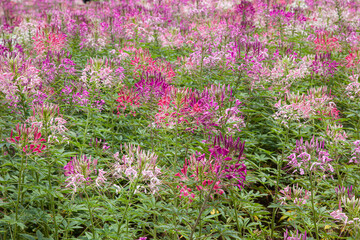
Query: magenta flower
[186, 192]
[344, 191]
[29, 139]
[151, 86]
[222, 167]
[310, 156]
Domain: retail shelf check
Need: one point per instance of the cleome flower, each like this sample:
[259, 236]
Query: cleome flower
[294, 194]
[81, 171]
[48, 118]
[213, 173]
[138, 166]
[310, 157]
[46, 41]
[28, 139]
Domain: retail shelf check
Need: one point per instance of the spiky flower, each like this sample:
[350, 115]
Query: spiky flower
[138, 166]
[100, 73]
[46, 41]
[220, 169]
[47, 117]
[310, 157]
[28, 139]
[355, 153]
[293, 236]
[295, 194]
[81, 171]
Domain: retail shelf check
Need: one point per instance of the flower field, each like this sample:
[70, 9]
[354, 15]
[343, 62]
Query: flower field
[180, 119]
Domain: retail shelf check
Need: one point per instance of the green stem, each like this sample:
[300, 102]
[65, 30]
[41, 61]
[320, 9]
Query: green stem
[235, 212]
[91, 214]
[52, 204]
[176, 146]
[202, 209]
[112, 121]
[127, 206]
[313, 207]
[276, 194]
[85, 130]
[200, 226]
[358, 126]
[154, 219]
[46, 228]
[20, 182]
[279, 166]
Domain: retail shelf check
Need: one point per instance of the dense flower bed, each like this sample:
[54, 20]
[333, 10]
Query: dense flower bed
[180, 119]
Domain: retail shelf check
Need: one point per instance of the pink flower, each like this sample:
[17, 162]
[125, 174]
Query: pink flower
[100, 178]
[128, 99]
[339, 215]
[310, 156]
[29, 139]
[296, 194]
[80, 170]
[355, 153]
[138, 165]
[52, 41]
[186, 192]
[325, 43]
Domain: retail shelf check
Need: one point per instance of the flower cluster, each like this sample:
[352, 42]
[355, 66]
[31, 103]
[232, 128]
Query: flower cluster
[139, 167]
[28, 139]
[79, 94]
[55, 64]
[323, 65]
[317, 102]
[336, 133]
[353, 58]
[310, 157]
[355, 154]
[18, 76]
[81, 171]
[296, 194]
[128, 100]
[46, 41]
[349, 216]
[142, 61]
[48, 118]
[94, 34]
[353, 89]
[99, 73]
[209, 110]
[151, 87]
[221, 168]
[173, 108]
[326, 43]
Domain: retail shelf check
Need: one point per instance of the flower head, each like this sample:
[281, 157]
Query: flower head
[82, 170]
[28, 139]
[310, 156]
[139, 166]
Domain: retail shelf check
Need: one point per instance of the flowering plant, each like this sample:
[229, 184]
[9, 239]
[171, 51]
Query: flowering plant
[138, 167]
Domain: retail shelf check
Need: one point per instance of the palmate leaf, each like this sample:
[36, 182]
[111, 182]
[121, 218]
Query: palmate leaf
[10, 220]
